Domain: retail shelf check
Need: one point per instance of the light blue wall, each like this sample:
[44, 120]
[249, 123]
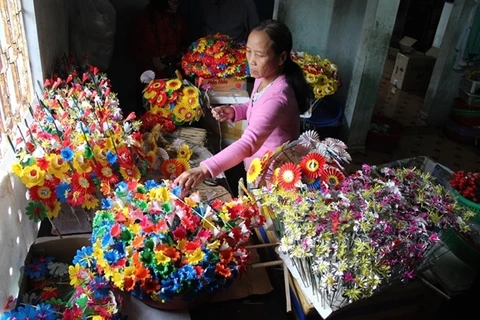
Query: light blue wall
[309, 22]
[329, 28]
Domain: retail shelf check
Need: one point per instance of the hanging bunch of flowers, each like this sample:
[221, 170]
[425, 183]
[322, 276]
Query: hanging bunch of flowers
[57, 291]
[77, 145]
[216, 56]
[320, 73]
[151, 242]
[171, 101]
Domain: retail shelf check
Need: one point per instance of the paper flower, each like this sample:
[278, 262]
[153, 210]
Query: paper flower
[350, 237]
[51, 298]
[288, 176]
[254, 170]
[77, 145]
[321, 74]
[173, 101]
[312, 165]
[332, 176]
[216, 56]
[158, 246]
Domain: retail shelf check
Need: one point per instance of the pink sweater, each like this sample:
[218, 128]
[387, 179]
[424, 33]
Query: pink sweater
[271, 121]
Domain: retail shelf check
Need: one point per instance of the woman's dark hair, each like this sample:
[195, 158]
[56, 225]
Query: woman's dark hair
[282, 41]
[160, 5]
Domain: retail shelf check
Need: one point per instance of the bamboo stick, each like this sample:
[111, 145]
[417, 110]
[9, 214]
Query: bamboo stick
[267, 264]
[263, 245]
[287, 287]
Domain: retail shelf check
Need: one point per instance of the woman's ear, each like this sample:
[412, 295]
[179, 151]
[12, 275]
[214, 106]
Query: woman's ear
[283, 58]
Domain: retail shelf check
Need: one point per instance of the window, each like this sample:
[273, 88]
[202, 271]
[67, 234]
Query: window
[15, 75]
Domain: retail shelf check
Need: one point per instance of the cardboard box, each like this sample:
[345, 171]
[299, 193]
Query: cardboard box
[412, 72]
[390, 62]
[413, 69]
[228, 97]
[226, 84]
[406, 45]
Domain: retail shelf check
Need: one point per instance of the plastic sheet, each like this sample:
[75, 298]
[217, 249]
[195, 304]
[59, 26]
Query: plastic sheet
[92, 31]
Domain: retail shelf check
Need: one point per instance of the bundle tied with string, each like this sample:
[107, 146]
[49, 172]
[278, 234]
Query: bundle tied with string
[351, 237]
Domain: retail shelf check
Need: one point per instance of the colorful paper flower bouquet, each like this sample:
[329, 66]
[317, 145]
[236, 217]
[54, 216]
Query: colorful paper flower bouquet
[216, 56]
[57, 291]
[77, 145]
[350, 237]
[170, 101]
[159, 246]
[320, 73]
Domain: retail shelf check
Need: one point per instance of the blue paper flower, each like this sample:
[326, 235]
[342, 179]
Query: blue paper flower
[84, 257]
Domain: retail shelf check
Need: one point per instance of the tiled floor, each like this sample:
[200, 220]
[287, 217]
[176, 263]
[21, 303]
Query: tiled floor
[418, 139]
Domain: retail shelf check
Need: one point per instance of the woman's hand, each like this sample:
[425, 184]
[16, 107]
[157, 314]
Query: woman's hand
[223, 113]
[192, 178]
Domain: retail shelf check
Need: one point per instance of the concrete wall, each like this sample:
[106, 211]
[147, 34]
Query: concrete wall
[344, 40]
[310, 23]
[444, 84]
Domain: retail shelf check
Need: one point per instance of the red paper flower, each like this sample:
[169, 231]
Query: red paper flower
[171, 168]
[332, 176]
[45, 193]
[288, 176]
[312, 165]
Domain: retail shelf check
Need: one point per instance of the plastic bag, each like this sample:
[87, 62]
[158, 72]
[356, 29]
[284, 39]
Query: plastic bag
[92, 31]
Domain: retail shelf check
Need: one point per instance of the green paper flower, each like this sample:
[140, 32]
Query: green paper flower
[36, 211]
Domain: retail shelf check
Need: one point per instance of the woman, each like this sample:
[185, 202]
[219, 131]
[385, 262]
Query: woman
[280, 94]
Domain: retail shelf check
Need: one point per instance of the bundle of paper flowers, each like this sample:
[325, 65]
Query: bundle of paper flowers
[171, 100]
[77, 145]
[467, 184]
[306, 163]
[216, 56]
[320, 73]
[151, 242]
[350, 240]
[57, 291]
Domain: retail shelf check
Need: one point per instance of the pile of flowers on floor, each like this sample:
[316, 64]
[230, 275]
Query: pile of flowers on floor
[151, 241]
[216, 56]
[320, 73]
[351, 236]
[56, 291]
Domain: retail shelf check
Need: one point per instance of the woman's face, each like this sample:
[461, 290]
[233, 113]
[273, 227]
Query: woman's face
[262, 60]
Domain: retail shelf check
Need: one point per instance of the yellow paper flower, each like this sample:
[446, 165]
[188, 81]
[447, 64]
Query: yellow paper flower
[254, 170]
[81, 164]
[32, 176]
[91, 202]
[189, 91]
[195, 257]
[54, 211]
[57, 166]
[173, 84]
[184, 152]
[17, 169]
[161, 257]
[77, 274]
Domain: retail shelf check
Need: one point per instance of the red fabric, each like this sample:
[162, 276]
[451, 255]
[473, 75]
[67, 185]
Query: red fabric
[145, 46]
